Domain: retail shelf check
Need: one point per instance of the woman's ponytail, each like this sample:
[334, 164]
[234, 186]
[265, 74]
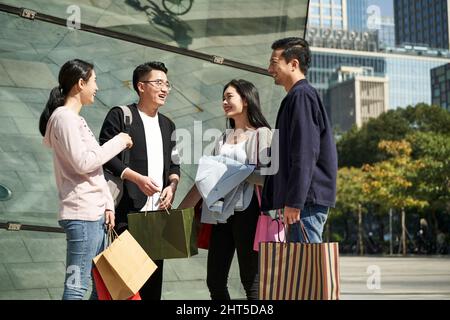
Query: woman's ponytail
[55, 100]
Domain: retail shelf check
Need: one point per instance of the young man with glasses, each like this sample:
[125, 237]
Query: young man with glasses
[150, 177]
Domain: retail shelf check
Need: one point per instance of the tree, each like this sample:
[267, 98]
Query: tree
[433, 179]
[350, 197]
[427, 129]
[426, 118]
[389, 183]
[359, 146]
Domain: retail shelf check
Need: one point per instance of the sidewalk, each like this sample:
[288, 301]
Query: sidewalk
[32, 266]
[400, 278]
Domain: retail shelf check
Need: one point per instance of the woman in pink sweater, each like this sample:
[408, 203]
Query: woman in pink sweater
[85, 203]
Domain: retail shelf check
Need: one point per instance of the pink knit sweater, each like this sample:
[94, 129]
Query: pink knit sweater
[78, 159]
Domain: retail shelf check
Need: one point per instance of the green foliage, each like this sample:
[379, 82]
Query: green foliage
[389, 183]
[411, 167]
[433, 179]
[427, 118]
[350, 190]
[359, 147]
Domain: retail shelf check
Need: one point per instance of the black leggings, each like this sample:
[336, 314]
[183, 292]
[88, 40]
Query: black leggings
[237, 234]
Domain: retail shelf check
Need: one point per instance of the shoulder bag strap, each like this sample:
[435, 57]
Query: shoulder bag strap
[127, 120]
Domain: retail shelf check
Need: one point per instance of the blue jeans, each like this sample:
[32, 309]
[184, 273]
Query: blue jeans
[313, 218]
[85, 240]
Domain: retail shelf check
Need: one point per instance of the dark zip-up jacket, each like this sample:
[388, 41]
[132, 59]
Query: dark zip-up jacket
[307, 154]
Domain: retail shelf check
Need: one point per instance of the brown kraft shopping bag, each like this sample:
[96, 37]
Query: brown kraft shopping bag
[124, 266]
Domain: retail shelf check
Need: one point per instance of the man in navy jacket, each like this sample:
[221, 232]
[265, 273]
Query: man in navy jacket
[305, 183]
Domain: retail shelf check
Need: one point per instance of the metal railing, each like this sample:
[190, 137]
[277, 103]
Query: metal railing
[17, 226]
[34, 15]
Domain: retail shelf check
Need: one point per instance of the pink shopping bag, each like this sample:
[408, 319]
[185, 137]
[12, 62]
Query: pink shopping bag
[268, 229]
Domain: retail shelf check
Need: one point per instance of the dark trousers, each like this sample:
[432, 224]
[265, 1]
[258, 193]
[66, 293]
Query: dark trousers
[238, 235]
[152, 289]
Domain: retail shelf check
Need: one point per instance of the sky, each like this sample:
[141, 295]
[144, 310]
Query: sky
[386, 6]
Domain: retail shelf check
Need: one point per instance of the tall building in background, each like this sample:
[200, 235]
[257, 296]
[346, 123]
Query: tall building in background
[386, 32]
[422, 22]
[355, 96]
[408, 71]
[328, 14]
[357, 15]
[440, 86]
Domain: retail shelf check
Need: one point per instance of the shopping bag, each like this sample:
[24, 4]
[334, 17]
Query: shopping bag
[102, 291]
[267, 228]
[204, 234]
[299, 271]
[165, 234]
[204, 229]
[124, 266]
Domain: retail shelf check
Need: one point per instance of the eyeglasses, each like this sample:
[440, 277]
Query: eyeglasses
[158, 83]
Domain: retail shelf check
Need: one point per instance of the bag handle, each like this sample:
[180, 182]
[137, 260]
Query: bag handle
[146, 211]
[258, 194]
[302, 230]
[258, 191]
[258, 188]
[111, 236]
[305, 234]
[279, 221]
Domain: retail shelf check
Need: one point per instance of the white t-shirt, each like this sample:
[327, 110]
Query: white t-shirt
[155, 156]
[234, 151]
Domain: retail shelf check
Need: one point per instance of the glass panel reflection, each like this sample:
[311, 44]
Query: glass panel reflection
[235, 29]
[29, 69]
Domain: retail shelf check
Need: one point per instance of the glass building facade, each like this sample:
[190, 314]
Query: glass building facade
[329, 14]
[422, 23]
[440, 86]
[325, 62]
[408, 75]
[409, 79]
[357, 15]
[386, 33]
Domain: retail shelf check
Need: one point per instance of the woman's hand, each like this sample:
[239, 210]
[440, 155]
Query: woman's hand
[110, 219]
[126, 138]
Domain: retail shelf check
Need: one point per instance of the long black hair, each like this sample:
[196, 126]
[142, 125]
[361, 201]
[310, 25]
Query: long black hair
[248, 93]
[69, 75]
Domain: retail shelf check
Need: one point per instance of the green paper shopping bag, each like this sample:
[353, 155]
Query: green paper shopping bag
[165, 234]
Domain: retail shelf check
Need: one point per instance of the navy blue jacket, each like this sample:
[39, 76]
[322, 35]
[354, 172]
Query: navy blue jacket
[307, 153]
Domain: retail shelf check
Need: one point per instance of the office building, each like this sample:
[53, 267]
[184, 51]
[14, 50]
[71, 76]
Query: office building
[440, 86]
[423, 23]
[355, 96]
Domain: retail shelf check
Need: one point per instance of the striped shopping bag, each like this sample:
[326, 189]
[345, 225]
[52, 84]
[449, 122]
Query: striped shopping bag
[298, 271]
